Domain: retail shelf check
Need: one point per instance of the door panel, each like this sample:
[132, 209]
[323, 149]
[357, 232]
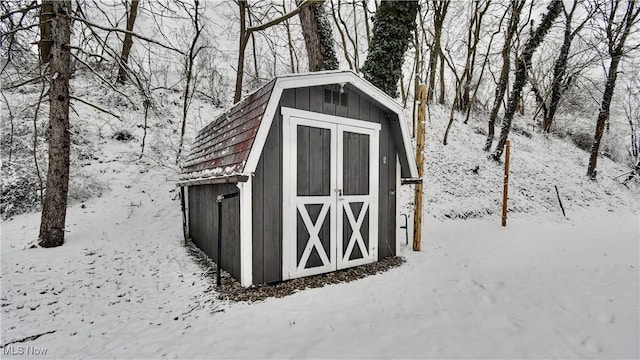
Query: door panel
[330, 185]
[356, 163]
[314, 171]
[357, 202]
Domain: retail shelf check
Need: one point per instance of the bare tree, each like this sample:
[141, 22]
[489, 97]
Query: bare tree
[463, 82]
[560, 67]
[473, 38]
[245, 35]
[343, 37]
[194, 49]
[617, 28]
[54, 208]
[632, 113]
[439, 13]
[17, 19]
[537, 36]
[516, 7]
[128, 42]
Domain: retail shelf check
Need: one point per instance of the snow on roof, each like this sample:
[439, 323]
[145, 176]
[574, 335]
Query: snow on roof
[232, 143]
[222, 147]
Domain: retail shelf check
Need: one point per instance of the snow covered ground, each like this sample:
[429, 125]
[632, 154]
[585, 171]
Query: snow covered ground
[124, 286]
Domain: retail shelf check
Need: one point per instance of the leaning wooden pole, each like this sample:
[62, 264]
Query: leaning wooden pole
[417, 218]
[505, 188]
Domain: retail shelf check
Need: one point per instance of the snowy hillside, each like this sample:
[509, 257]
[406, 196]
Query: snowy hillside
[463, 183]
[124, 285]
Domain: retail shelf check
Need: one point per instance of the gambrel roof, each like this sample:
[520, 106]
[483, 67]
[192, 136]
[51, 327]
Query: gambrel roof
[222, 147]
[230, 146]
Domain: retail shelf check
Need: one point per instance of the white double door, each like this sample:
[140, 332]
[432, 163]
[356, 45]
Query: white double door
[330, 190]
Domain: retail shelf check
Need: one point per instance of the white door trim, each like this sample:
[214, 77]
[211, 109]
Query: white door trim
[292, 204]
[369, 202]
[309, 115]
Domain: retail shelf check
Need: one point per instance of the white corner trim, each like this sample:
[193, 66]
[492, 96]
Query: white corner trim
[246, 256]
[398, 217]
[263, 130]
[408, 147]
[286, 198]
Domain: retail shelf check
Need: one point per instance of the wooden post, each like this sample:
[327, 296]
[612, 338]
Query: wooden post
[505, 189]
[417, 218]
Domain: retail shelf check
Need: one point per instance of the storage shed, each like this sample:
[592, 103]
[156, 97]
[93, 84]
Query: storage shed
[317, 160]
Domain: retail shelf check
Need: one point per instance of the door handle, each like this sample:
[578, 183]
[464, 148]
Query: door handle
[339, 192]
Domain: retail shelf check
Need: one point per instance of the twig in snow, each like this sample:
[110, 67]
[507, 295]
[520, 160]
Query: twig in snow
[193, 308]
[28, 338]
[560, 201]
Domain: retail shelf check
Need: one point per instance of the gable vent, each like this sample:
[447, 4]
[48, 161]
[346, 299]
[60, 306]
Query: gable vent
[335, 97]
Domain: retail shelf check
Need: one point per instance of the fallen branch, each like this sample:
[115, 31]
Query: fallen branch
[28, 338]
[95, 107]
[26, 82]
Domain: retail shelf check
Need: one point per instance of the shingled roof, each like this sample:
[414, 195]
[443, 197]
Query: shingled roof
[230, 146]
[221, 148]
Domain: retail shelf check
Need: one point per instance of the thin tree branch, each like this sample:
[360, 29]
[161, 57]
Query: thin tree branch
[102, 78]
[91, 24]
[33, 5]
[95, 106]
[279, 19]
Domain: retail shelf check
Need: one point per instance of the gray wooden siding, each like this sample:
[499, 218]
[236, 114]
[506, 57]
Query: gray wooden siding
[387, 194]
[267, 182]
[203, 224]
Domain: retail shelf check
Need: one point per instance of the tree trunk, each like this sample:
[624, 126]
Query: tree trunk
[318, 37]
[54, 209]
[603, 114]
[190, 60]
[553, 10]
[442, 83]
[617, 32]
[244, 38]
[473, 38]
[347, 32]
[559, 71]
[439, 14]
[540, 101]
[392, 27]
[46, 16]
[293, 58]
[501, 88]
[433, 63]
[127, 43]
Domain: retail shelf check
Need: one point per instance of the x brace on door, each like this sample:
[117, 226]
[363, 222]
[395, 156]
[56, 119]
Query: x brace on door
[314, 232]
[356, 235]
